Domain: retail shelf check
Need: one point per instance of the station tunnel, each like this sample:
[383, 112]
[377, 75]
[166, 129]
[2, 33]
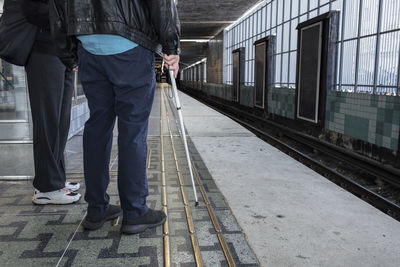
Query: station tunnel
[291, 115]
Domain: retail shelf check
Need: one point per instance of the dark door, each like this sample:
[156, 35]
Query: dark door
[309, 72]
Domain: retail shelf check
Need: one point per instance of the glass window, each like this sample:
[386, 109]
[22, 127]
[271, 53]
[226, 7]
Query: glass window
[390, 18]
[369, 23]
[280, 11]
[14, 103]
[295, 8]
[366, 61]
[313, 4]
[303, 7]
[356, 52]
[389, 59]
[349, 59]
[351, 20]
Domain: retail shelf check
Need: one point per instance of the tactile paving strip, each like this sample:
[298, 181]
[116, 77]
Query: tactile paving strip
[207, 235]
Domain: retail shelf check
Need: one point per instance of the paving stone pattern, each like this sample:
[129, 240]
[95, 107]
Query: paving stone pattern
[32, 235]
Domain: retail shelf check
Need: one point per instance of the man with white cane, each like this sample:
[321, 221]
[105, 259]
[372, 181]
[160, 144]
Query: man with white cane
[115, 41]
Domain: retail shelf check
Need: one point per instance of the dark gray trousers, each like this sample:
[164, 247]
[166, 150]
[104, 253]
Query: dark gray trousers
[50, 88]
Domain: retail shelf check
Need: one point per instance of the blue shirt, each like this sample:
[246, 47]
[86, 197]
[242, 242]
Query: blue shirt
[106, 44]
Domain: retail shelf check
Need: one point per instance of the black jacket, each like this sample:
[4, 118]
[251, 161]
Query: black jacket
[36, 12]
[153, 24]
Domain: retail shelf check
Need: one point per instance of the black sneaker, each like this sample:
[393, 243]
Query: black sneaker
[95, 222]
[150, 219]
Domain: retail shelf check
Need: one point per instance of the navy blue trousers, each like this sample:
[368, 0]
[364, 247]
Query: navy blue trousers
[122, 86]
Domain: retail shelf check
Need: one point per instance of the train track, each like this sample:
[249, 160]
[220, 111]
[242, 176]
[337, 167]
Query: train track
[295, 144]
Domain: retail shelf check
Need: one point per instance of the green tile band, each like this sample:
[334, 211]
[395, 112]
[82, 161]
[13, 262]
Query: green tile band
[371, 118]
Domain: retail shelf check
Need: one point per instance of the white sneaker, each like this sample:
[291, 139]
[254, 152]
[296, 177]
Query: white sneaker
[62, 196]
[72, 186]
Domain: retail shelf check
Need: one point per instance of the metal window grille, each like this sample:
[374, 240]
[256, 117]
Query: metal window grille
[369, 42]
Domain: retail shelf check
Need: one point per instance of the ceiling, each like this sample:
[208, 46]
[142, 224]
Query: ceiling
[203, 19]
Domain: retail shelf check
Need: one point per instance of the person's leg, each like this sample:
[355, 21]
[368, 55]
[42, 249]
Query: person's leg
[98, 132]
[133, 76]
[65, 116]
[45, 74]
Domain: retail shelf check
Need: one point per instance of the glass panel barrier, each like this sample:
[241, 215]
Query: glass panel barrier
[14, 104]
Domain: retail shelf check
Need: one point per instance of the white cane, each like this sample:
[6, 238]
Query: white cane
[179, 109]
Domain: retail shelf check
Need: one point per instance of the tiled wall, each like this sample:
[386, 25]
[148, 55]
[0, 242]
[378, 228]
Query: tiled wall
[214, 59]
[371, 118]
[281, 101]
[223, 91]
[79, 115]
[247, 96]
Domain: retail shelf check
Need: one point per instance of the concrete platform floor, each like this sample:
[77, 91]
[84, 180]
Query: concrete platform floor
[51, 235]
[291, 215]
[263, 201]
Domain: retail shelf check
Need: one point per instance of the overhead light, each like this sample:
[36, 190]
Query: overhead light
[245, 14]
[195, 40]
[198, 62]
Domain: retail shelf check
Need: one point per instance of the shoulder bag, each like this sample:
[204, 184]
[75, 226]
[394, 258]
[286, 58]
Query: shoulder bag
[17, 35]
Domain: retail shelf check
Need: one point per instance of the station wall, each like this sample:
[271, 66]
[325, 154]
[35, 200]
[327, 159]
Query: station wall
[364, 103]
[371, 118]
[281, 101]
[214, 59]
